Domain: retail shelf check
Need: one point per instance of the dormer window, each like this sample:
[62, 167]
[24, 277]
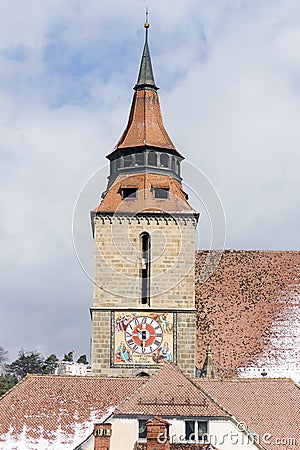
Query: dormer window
[129, 193]
[161, 192]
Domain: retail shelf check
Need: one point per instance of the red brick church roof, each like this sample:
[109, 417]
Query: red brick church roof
[248, 310]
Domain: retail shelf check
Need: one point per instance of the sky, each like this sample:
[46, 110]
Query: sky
[229, 78]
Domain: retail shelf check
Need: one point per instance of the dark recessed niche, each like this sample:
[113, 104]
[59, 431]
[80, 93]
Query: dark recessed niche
[129, 193]
[161, 193]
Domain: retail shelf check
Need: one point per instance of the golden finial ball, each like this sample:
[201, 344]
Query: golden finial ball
[146, 25]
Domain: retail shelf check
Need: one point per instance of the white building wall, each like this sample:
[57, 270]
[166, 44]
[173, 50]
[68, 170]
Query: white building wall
[223, 434]
[124, 433]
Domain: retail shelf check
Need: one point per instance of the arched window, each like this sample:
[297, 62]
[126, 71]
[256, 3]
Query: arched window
[152, 159]
[177, 167]
[118, 163]
[164, 160]
[146, 268]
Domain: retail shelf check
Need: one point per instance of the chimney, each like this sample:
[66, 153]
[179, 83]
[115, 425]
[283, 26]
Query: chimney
[102, 434]
[158, 434]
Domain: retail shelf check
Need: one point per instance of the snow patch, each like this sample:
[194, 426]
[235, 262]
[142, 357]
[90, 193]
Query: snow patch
[282, 357]
[60, 441]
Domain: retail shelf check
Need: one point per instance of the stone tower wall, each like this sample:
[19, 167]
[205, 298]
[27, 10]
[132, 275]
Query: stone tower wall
[118, 262]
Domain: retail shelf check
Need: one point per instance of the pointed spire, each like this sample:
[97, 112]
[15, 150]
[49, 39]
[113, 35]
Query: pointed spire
[146, 77]
[208, 369]
[145, 127]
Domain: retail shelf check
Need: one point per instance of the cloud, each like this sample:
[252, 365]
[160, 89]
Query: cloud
[229, 78]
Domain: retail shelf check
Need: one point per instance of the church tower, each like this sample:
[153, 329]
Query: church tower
[143, 313]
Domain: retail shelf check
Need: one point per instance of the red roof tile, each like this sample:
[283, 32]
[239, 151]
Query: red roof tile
[145, 125]
[145, 201]
[248, 310]
[170, 393]
[268, 407]
[44, 404]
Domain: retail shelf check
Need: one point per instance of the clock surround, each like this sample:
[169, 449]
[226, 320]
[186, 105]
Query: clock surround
[143, 339]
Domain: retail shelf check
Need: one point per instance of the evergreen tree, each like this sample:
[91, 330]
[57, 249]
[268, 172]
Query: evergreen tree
[7, 381]
[68, 357]
[50, 364]
[27, 362]
[82, 359]
[3, 359]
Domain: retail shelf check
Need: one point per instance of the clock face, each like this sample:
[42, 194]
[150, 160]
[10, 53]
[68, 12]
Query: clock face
[143, 338]
[143, 335]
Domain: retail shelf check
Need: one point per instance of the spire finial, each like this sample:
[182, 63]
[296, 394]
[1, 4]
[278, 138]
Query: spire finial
[146, 24]
[146, 78]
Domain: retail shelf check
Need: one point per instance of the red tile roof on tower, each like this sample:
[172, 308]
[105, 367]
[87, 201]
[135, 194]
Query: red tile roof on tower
[145, 124]
[248, 310]
[170, 393]
[145, 200]
[268, 408]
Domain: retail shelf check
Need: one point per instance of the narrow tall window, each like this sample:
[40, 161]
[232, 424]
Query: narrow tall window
[146, 266]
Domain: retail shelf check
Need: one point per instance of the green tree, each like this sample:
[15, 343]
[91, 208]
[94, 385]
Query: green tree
[50, 364]
[27, 362]
[7, 381]
[3, 359]
[68, 357]
[82, 359]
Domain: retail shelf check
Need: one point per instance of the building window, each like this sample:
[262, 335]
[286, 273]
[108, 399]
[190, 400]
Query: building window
[142, 429]
[152, 159]
[161, 193]
[139, 159]
[128, 161]
[129, 193]
[173, 163]
[202, 431]
[164, 160]
[196, 431]
[146, 268]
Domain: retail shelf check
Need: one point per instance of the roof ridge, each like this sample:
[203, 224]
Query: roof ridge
[159, 372]
[138, 389]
